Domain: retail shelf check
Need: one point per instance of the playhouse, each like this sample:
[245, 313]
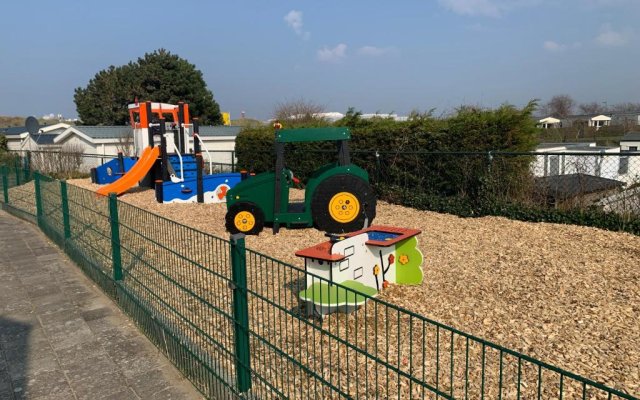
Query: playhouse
[164, 160]
[366, 261]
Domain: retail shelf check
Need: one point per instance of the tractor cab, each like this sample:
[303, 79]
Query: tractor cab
[338, 197]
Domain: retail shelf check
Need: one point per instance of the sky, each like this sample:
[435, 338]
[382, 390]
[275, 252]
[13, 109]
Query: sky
[387, 57]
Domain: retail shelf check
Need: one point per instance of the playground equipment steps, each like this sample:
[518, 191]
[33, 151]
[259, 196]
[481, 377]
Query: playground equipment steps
[189, 166]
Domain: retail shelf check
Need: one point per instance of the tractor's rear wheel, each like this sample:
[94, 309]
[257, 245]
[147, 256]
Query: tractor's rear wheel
[343, 203]
[244, 217]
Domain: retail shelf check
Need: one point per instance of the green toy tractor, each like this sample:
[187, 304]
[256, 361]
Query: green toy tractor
[338, 197]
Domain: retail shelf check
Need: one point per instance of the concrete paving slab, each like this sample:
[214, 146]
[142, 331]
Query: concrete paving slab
[80, 351]
[126, 394]
[47, 383]
[62, 338]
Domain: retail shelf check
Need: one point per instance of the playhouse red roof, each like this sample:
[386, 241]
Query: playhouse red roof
[322, 251]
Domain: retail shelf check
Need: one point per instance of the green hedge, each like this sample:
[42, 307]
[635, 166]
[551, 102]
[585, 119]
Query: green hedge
[466, 207]
[469, 129]
[439, 164]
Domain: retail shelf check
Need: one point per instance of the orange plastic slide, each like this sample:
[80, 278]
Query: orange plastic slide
[135, 174]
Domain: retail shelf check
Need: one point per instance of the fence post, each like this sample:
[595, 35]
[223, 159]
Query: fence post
[27, 166]
[240, 311]
[233, 161]
[16, 165]
[5, 184]
[115, 237]
[65, 210]
[36, 179]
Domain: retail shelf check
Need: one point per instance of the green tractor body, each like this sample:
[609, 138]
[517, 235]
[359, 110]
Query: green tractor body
[338, 197]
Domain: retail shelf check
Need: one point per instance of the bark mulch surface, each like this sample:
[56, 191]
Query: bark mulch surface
[567, 295]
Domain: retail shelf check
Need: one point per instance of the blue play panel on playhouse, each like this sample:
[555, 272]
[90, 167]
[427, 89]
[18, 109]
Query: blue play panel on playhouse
[382, 236]
[111, 171]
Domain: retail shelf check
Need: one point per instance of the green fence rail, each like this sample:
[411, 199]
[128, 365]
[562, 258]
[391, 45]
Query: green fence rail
[231, 321]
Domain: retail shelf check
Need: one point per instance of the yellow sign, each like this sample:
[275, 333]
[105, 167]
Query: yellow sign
[226, 118]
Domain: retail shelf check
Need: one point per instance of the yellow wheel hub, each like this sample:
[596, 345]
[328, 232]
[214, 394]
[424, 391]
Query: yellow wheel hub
[244, 221]
[344, 207]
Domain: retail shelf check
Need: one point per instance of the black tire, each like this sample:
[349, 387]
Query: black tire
[351, 187]
[246, 207]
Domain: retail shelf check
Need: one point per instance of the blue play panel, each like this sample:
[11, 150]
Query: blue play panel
[382, 236]
[214, 186]
[111, 171]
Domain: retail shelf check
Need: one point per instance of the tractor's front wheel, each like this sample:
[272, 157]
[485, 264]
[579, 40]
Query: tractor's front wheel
[244, 217]
[343, 203]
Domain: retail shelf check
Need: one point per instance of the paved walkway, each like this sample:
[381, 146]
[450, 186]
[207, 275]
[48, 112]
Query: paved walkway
[62, 338]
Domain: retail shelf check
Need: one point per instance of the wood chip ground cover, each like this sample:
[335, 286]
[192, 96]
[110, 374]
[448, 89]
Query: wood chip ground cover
[567, 295]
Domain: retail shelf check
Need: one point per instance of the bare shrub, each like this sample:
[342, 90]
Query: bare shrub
[125, 144]
[298, 112]
[560, 106]
[65, 161]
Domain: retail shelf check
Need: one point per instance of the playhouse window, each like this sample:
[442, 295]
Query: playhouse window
[344, 264]
[348, 251]
[357, 273]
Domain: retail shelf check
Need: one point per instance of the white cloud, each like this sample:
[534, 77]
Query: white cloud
[294, 20]
[611, 38]
[336, 54]
[550, 45]
[374, 51]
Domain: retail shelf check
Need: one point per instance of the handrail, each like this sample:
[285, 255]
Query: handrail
[186, 132]
[177, 151]
[175, 148]
[208, 154]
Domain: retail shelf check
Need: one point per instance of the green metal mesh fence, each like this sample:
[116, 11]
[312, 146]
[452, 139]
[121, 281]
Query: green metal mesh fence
[181, 276]
[89, 243]
[381, 351]
[17, 188]
[232, 321]
[52, 220]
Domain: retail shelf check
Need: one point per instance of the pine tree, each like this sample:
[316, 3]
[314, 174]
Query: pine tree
[159, 76]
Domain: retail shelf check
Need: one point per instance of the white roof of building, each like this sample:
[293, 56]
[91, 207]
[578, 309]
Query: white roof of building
[333, 116]
[549, 120]
[601, 118]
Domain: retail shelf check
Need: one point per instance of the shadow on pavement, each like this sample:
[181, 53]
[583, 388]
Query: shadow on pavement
[14, 343]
